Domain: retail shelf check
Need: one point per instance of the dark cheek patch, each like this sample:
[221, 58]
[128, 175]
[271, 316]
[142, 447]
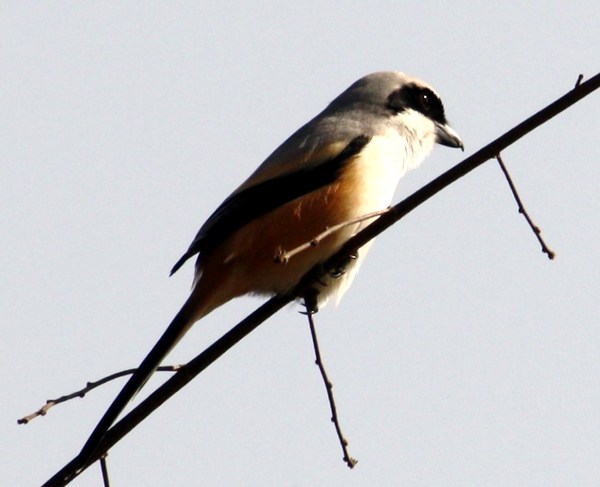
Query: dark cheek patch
[418, 98]
[396, 102]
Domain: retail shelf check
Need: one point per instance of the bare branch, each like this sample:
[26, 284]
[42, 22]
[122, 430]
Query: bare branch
[88, 387]
[482, 155]
[163, 393]
[310, 312]
[104, 468]
[284, 256]
[250, 323]
[536, 230]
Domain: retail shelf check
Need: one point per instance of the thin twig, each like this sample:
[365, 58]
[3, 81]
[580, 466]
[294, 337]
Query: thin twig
[88, 387]
[179, 380]
[104, 468]
[120, 429]
[536, 230]
[579, 80]
[283, 256]
[310, 303]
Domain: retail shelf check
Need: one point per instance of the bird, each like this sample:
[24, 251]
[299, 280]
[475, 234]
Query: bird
[334, 171]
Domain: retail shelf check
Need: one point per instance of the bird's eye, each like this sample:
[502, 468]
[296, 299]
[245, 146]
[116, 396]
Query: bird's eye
[428, 103]
[419, 98]
[424, 102]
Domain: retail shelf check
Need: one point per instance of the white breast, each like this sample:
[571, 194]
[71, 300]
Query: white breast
[373, 177]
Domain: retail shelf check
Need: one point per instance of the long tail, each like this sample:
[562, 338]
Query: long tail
[182, 322]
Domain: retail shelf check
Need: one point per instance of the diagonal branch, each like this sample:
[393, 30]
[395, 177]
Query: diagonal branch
[175, 383]
[202, 361]
[523, 211]
[50, 403]
[284, 256]
[310, 312]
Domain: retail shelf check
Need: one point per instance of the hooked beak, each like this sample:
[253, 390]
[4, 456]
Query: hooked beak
[445, 135]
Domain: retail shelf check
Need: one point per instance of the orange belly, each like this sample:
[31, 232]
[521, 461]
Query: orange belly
[246, 261]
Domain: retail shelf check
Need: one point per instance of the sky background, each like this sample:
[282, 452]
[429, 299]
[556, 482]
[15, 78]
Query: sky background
[460, 356]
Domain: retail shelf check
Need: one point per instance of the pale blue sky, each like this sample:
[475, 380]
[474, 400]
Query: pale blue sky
[460, 356]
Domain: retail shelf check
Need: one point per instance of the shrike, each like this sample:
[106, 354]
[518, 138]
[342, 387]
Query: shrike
[343, 164]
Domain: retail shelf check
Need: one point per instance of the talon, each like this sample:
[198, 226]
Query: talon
[281, 257]
[310, 302]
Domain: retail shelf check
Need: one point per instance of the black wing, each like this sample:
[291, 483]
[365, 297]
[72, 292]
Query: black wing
[255, 201]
